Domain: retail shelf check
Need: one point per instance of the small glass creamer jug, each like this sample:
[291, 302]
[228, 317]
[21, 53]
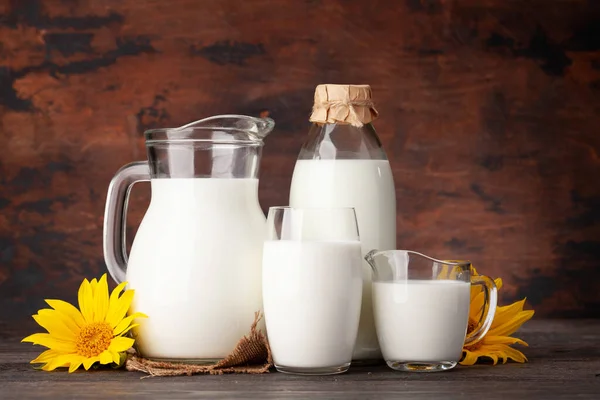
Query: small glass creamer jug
[195, 262]
[422, 309]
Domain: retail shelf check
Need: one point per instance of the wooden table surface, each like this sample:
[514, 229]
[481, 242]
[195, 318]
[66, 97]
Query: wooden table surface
[564, 363]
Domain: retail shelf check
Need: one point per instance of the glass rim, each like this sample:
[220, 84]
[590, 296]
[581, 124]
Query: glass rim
[456, 263]
[195, 133]
[310, 208]
[175, 140]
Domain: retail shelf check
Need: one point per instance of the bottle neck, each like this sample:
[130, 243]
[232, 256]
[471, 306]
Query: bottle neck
[342, 141]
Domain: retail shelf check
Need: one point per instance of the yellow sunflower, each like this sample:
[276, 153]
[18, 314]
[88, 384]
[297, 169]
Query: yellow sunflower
[94, 333]
[496, 343]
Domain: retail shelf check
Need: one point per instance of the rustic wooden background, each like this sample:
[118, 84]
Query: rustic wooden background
[489, 113]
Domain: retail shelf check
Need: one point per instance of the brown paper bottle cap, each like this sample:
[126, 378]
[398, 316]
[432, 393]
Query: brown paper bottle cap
[343, 104]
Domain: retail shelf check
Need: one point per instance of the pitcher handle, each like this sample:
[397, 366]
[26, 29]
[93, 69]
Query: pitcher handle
[491, 300]
[115, 216]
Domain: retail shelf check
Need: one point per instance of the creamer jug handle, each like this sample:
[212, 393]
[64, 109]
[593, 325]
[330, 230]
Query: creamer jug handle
[115, 216]
[490, 303]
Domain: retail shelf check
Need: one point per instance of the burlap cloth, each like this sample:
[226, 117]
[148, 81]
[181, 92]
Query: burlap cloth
[251, 355]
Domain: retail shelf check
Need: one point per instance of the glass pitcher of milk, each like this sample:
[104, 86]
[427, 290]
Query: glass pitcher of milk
[195, 262]
[342, 164]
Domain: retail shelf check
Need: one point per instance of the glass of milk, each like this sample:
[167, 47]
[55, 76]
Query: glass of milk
[312, 288]
[421, 308]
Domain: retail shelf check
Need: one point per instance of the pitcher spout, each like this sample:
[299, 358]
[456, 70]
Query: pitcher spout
[222, 146]
[381, 264]
[254, 128]
[370, 259]
[393, 265]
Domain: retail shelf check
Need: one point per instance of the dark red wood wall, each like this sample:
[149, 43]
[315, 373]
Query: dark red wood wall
[490, 114]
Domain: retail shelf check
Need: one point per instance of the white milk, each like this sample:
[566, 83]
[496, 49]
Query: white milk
[195, 266]
[368, 186]
[421, 320]
[312, 296]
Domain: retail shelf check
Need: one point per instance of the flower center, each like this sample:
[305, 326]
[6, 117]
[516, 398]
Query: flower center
[93, 339]
[470, 328]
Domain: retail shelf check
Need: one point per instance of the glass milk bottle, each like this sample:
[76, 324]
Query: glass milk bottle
[342, 164]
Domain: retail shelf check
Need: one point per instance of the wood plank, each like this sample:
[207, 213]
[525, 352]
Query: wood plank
[564, 364]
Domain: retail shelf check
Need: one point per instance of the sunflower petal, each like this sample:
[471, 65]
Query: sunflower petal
[469, 357]
[116, 357]
[477, 306]
[125, 323]
[61, 318]
[46, 340]
[114, 295]
[106, 357]
[76, 363]
[113, 304]
[508, 340]
[506, 352]
[54, 326]
[68, 310]
[86, 299]
[101, 300]
[58, 362]
[478, 300]
[45, 356]
[130, 327]
[88, 362]
[513, 325]
[506, 313]
[515, 355]
[120, 308]
[93, 284]
[494, 352]
[498, 282]
[475, 291]
[120, 344]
